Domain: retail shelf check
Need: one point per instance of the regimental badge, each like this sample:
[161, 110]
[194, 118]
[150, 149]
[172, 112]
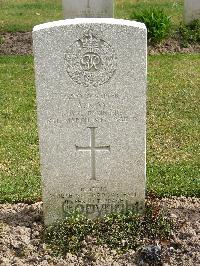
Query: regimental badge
[90, 61]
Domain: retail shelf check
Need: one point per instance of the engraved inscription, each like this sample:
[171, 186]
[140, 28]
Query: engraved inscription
[90, 61]
[97, 201]
[92, 149]
[86, 14]
[89, 107]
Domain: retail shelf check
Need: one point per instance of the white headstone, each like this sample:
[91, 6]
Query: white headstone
[192, 10]
[88, 8]
[91, 98]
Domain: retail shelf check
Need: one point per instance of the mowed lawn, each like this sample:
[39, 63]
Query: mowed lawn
[172, 137]
[19, 162]
[22, 15]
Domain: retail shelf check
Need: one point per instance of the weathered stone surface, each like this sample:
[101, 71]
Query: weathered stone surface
[88, 8]
[192, 10]
[91, 97]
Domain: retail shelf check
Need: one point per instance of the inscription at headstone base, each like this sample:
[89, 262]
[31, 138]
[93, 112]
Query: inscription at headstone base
[87, 8]
[91, 102]
[191, 10]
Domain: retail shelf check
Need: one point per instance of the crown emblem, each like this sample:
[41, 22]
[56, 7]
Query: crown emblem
[90, 60]
[90, 40]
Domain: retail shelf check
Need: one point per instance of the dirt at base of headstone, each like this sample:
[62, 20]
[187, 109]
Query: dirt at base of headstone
[20, 43]
[21, 243]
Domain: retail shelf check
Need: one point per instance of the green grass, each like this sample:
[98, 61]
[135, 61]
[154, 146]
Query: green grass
[174, 125]
[173, 128]
[22, 15]
[19, 164]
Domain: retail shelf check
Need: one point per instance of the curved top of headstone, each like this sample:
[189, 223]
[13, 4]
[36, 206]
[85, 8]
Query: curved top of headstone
[76, 21]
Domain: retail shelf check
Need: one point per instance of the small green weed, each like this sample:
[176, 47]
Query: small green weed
[190, 33]
[118, 231]
[157, 22]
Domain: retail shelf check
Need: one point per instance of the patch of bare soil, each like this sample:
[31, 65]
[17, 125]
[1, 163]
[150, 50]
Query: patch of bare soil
[20, 43]
[173, 46]
[15, 43]
[21, 228]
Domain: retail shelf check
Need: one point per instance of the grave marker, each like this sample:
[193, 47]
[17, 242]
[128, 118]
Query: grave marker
[192, 10]
[91, 100]
[87, 8]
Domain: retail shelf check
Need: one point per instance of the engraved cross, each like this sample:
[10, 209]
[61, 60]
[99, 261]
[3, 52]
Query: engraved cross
[92, 149]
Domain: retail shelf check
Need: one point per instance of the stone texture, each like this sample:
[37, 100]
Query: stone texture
[91, 99]
[192, 10]
[88, 8]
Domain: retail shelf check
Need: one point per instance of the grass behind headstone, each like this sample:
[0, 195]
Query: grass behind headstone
[172, 135]
[174, 9]
[22, 15]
